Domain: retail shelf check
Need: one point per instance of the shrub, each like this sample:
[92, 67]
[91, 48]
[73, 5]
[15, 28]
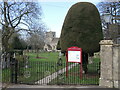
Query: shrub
[58, 45]
[82, 28]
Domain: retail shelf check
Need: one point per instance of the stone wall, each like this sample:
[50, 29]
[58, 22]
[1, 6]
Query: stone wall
[116, 65]
[114, 31]
[110, 64]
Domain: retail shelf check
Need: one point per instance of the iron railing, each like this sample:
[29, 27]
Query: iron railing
[50, 73]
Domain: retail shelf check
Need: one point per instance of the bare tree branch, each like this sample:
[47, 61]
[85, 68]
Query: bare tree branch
[16, 15]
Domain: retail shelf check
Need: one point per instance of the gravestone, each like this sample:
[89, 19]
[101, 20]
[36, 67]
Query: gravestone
[3, 60]
[8, 61]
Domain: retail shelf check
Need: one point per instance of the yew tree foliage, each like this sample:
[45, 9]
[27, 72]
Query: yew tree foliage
[82, 28]
[58, 45]
[18, 44]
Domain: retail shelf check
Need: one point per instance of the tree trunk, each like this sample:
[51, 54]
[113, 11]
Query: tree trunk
[5, 44]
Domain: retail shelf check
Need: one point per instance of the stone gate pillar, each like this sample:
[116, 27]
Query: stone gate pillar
[116, 65]
[106, 63]
[110, 64]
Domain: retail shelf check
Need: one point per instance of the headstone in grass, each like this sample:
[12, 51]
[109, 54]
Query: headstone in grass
[3, 61]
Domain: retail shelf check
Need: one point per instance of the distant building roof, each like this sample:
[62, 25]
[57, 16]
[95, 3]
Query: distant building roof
[55, 40]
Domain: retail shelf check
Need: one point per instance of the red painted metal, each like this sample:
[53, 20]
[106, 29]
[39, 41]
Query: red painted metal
[74, 48]
[67, 65]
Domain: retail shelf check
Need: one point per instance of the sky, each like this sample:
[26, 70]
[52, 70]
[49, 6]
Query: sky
[54, 14]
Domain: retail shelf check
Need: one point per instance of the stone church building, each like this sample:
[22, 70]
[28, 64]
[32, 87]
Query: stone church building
[51, 41]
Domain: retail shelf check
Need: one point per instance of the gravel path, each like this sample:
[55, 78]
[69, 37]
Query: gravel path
[49, 78]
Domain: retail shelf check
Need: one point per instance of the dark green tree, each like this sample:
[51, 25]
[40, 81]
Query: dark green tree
[82, 28]
[58, 45]
[17, 43]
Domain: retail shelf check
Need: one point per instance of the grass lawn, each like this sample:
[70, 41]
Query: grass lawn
[92, 77]
[38, 67]
[6, 75]
[36, 71]
[45, 56]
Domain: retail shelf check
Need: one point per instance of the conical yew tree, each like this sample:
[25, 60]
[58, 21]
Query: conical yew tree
[82, 28]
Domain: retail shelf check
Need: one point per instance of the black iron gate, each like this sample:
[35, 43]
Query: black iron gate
[52, 73]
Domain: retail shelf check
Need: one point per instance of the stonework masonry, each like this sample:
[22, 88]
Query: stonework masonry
[110, 64]
[114, 31]
[51, 41]
[116, 65]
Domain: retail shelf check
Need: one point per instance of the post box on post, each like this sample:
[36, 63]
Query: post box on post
[74, 54]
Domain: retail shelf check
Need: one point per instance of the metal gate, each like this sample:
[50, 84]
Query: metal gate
[52, 73]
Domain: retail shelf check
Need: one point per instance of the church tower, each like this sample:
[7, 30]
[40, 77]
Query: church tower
[49, 36]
